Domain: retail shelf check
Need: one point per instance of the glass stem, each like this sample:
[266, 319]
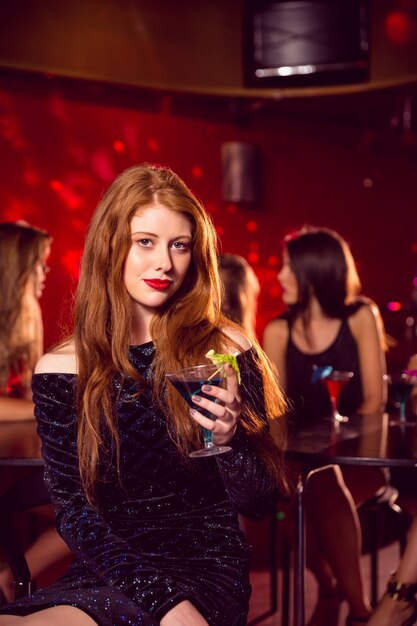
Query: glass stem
[402, 410]
[208, 438]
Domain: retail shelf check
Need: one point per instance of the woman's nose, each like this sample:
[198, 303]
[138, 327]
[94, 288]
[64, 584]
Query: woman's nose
[163, 260]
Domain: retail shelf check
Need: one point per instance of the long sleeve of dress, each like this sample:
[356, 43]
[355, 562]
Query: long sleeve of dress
[248, 483]
[88, 534]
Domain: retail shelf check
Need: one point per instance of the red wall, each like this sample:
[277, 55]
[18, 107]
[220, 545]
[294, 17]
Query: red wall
[61, 144]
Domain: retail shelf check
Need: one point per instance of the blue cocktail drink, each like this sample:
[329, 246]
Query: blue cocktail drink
[400, 386]
[189, 382]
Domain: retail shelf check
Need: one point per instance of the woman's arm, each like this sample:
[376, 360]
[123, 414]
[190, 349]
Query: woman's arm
[248, 481]
[16, 409]
[275, 342]
[87, 533]
[366, 327]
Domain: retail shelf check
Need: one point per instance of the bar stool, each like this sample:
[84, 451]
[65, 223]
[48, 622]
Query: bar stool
[382, 522]
[27, 493]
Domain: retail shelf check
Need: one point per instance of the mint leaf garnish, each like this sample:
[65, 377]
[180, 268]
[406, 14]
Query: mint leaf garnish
[219, 359]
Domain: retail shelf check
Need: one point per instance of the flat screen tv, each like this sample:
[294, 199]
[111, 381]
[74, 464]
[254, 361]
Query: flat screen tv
[306, 42]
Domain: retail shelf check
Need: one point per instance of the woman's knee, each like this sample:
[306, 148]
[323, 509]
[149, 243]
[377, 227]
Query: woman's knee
[323, 479]
[63, 615]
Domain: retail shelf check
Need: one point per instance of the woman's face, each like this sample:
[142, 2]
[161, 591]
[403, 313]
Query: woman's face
[288, 281]
[159, 257]
[39, 274]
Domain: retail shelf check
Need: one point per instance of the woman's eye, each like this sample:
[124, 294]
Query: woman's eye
[144, 242]
[180, 245]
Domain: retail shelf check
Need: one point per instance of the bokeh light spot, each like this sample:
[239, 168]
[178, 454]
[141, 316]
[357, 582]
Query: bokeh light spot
[252, 226]
[398, 27]
[31, 177]
[118, 146]
[196, 171]
[273, 261]
[211, 207]
[71, 261]
[56, 185]
[231, 209]
[253, 257]
[153, 144]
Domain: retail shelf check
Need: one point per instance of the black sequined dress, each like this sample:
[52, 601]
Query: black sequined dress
[170, 532]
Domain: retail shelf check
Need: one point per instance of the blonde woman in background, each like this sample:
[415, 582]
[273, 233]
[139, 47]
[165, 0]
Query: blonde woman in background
[24, 251]
[23, 254]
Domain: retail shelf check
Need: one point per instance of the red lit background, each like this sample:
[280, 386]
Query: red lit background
[332, 163]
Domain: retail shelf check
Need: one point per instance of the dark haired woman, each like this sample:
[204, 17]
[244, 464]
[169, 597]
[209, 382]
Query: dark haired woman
[328, 323]
[154, 533]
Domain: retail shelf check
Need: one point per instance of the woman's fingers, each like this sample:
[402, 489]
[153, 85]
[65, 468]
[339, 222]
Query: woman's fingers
[232, 383]
[225, 407]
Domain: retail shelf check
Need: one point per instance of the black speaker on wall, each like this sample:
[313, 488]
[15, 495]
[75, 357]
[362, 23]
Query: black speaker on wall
[290, 43]
[241, 168]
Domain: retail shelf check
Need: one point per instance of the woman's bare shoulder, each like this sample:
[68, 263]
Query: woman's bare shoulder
[60, 360]
[367, 314]
[238, 338]
[277, 330]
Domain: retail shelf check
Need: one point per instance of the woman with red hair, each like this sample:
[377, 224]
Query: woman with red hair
[154, 533]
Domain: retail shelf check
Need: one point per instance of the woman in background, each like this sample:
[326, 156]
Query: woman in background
[24, 251]
[398, 606]
[23, 254]
[328, 323]
[240, 291]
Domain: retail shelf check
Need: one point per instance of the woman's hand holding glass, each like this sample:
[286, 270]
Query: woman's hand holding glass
[225, 407]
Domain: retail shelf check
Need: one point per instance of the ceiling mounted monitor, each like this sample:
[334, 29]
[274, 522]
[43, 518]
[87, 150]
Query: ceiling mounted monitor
[300, 43]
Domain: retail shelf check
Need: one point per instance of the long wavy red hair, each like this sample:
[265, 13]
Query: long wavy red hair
[183, 331]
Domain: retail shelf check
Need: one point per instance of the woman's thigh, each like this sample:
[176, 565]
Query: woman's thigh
[364, 482]
[55, 616]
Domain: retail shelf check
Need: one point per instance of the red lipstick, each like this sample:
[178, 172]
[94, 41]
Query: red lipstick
[156, 283]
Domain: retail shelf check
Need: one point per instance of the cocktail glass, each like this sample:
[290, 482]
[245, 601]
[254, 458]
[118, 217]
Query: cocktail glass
[189, 382]
[400, 386]
[335, 382]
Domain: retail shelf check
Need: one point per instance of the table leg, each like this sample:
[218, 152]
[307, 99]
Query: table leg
[299, 556]
[300, 547]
